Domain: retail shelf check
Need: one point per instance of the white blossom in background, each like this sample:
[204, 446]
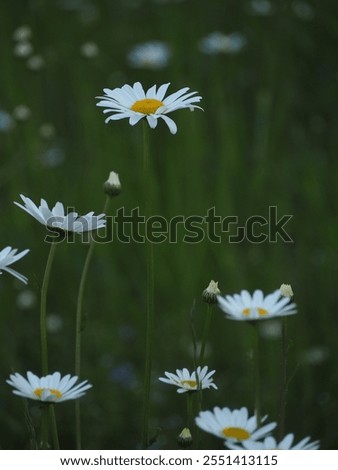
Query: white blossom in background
[220, 43]
[186, 382]
[22, 112]
[26, 299]
[149, 55]
[303, 10]
[23, 49]
[89, 50]
[36, 62]
[22, 33]
[247, 307]
[260, 7]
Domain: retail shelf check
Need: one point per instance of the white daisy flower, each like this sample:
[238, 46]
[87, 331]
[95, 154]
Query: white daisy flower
[233, 426]
[270, 443]
[57, 219]
[153, 55]
[51, 388]
[190, 382]
[245, 306]
[133, 103]
[9, 256]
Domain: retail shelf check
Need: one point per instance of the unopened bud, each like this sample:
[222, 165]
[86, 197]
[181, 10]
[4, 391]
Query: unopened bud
[184, 440]
[112, 186]
[286, 291]
[210, 294]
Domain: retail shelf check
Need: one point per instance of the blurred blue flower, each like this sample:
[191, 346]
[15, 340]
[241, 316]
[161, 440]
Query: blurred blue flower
[124, 375]
[6, 121]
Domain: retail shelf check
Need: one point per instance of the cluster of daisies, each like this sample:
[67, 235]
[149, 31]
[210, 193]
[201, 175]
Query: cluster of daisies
[235, 427]
[130, 102]
[50, 388]
[238, 430]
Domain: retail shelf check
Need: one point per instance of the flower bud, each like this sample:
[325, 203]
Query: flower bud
[184, 440]
[210, 294]
[286, 291]
[112, 186]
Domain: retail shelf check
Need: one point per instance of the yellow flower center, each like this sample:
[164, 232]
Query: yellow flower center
[191, 383]
[39, 391]
[261, 311]
[236, 433]
[147, 106]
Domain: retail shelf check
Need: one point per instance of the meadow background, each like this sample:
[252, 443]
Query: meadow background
[267, 137]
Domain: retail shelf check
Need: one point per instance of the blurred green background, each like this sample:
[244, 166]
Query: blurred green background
[267, 137]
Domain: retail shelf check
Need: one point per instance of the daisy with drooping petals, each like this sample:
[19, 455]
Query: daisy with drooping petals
[198, 380]
[233, 426]
[57, 219]
[133, 103]
[245, 306]
[270, 443]
[51, 388]
[9, 256]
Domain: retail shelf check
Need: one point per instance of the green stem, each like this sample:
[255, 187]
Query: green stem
[205, 333]
[257, 381]
[190, 411]
[44, 427]
[150, 291]
[283, 385]
[43, 309]
[79, 329]
[52, 420]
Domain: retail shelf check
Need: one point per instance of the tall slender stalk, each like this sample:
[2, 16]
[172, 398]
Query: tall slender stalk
[44, 427]
[205, 333]
[201, 359]
[190, 410]
[257, 379]
[44, 348]
[283, 384]
[56, 445]
[43, 309]
[79, 329]
[147, 181]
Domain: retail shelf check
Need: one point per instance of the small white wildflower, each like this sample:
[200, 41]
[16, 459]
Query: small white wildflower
[247, 307]
[51, 388]
[186, 382]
